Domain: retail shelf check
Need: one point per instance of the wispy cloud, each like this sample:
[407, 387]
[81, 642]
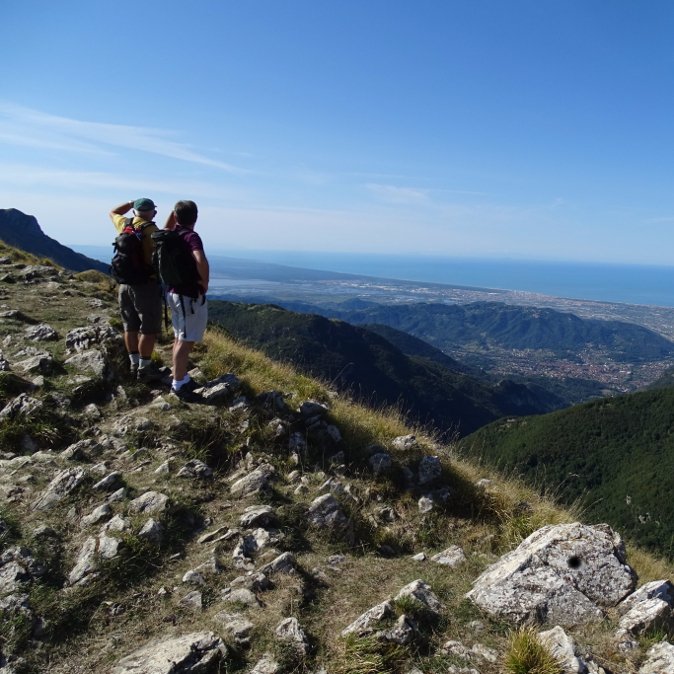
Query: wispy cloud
[32, 128]
[398, 195]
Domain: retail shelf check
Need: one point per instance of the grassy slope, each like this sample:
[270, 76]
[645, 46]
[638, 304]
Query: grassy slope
[138, 598]
[368, 366]
[615, 456]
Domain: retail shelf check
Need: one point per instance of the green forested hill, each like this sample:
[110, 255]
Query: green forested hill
[615, 455]
[493, 324]
[373, 370]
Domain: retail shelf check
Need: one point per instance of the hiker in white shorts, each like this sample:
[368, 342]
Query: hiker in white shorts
[189, 307]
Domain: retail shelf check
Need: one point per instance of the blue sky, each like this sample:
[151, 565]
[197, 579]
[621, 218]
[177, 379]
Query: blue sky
[521, 129]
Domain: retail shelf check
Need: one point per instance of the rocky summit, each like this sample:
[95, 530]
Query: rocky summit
[273, 526]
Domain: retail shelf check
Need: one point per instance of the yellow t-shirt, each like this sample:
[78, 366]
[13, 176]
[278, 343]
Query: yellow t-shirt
[121, 221]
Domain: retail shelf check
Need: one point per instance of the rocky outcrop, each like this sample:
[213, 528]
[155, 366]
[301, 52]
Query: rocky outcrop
[195, 653]
[565, 574]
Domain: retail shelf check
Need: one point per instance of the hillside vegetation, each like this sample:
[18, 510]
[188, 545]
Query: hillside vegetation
[139, 533]
[429, 388]
[613, 458]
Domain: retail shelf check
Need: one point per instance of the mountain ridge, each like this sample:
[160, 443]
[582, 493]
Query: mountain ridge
[24, 232]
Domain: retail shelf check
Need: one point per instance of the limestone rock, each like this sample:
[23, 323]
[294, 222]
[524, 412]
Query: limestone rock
[381, 463]
[659, 659]
[22, 406]
[563, 647]
[94, 550]
[422, 593]
[404, 442]
[196, 469]
[451, 557]
[83, 339]
[195, 653]
[64, 483]
[366, 623]
[254, 482]
[289, 630]
[266, 665]
[91, 361]
[41, 333]
[430, 470]
[150, 503]
[562, 574]
[257, 516]
[236, 625]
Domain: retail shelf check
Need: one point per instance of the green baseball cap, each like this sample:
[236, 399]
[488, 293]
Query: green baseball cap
[144, 204]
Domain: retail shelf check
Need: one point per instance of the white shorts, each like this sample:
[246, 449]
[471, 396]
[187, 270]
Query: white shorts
[189, 317]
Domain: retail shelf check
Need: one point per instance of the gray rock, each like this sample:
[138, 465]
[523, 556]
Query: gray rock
[311, 409]
[430, 470]
[99, 514]
[110, 482]
[563, 647]
[659, 659]
[256, 481]
[93, 361]
[152, 531]
[403, 632]
[195, 469]
[404, 442]
[284, 563]
[83, 339]
[64, 483]
[93, 552]
[22, 406]
[422, 593]
[41, 333]
[660, 589]
[195, 653]
[42, 363]
[193, 600]
[266, 665]
[425, 505]
[453, 556]
[150, 503]
[289, 631]
[257, 516]
[381, 463]
[235, 625]
[564, 574]
[240, 595]
[325, 511]
[367, 622]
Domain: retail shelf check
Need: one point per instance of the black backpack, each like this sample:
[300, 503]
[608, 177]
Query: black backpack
[173, 258]
[128, 262]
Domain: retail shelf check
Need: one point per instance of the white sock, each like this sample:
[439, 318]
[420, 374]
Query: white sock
[134, 358]
[178, 384]
[145, 362]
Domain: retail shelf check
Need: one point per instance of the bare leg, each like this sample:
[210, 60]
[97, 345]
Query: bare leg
[181, 352]
[131, 342]
[146, 345]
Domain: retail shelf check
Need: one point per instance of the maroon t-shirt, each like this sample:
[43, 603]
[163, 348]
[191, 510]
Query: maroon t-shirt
[193, 241]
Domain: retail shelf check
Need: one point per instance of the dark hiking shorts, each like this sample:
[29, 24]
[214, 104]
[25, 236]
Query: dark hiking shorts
[141, 308]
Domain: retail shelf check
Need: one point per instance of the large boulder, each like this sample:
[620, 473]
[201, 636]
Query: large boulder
[196, 653]
[564, 574]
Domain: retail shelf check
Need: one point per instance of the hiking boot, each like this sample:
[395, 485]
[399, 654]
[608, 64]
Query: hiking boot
[187, 392]
[150, 373]
[133, 370]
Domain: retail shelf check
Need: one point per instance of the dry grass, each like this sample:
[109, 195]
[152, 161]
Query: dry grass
[526, 655]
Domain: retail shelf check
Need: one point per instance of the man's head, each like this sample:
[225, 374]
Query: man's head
[186, 213]
[145, 208]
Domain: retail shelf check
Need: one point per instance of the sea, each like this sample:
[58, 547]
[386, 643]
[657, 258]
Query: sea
[624, 283]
